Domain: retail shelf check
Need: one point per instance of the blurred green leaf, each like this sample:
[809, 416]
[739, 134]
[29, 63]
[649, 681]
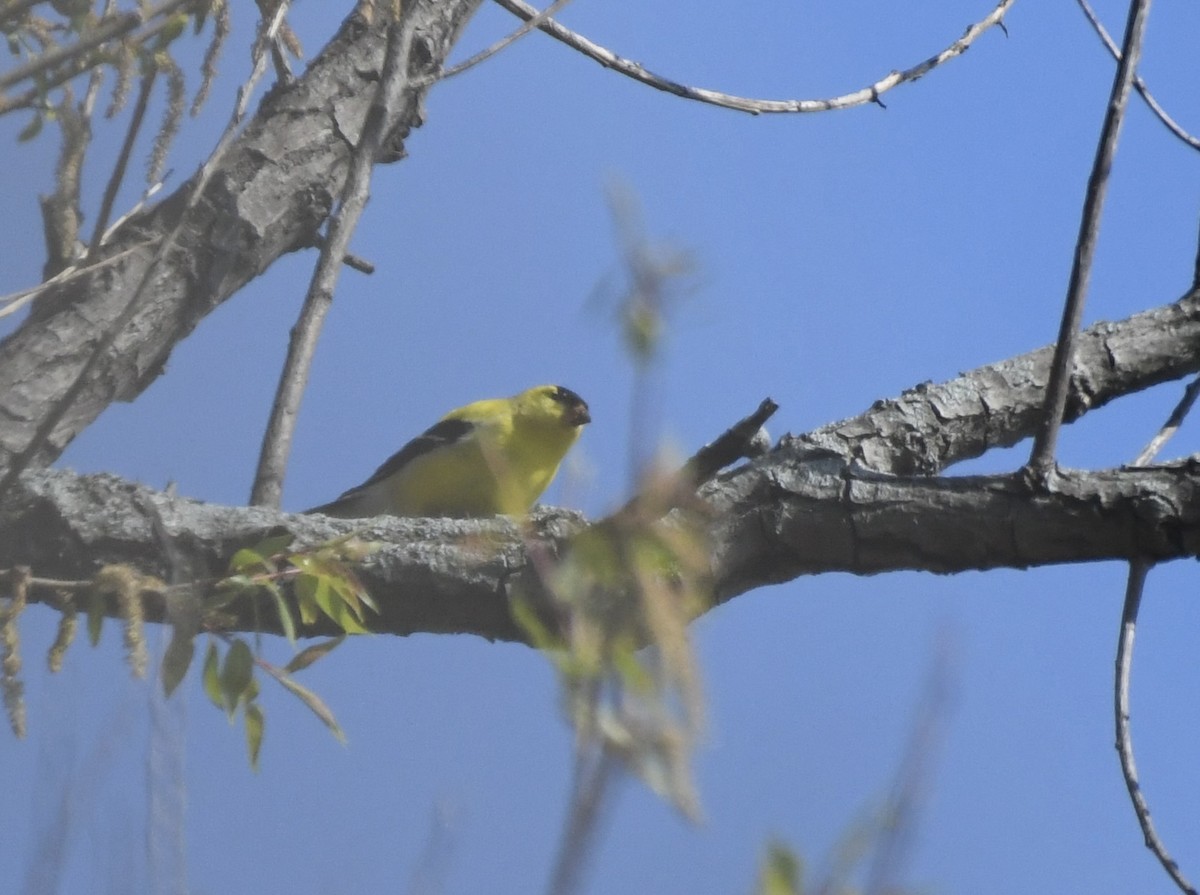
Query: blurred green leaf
[254, 731]
[781, 872]
[306, 586]
[528, 621]
[311, 654]
[284, 612]
[177, 660]
[632, 672]
[236, 674]
[212, 675]
[346, 586]
[316, 705]
[248, 561]
[319, 590]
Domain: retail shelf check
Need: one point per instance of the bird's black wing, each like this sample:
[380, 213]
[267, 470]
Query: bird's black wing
[440, 434]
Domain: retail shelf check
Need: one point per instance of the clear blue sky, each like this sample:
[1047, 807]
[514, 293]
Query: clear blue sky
[843, 257]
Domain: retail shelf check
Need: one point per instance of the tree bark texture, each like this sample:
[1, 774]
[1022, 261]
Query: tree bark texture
[271, 193]
[825, 501]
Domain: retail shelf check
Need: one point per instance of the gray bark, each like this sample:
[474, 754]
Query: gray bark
[270, 195]
[826, 501]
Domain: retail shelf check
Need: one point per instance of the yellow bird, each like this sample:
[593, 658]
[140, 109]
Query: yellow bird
[489, 457]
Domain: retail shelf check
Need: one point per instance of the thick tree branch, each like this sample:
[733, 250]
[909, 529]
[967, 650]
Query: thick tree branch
[932, 427]
[816, 503]
[772, 520]
[270, 195]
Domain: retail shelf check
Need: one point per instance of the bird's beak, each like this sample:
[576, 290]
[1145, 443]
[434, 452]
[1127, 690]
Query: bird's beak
[580, 416]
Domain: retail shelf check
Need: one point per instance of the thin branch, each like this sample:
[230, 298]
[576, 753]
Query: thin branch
[118, 172]
[1138, 83]
[14, 301]
[1134, 588]
[487, 53]
[1196, 269]
[869, 94]
[744, 440]
[277, 442]
[100, 33]
[61, 211]
[1171, 426]
[356, 262]
[1046, 441]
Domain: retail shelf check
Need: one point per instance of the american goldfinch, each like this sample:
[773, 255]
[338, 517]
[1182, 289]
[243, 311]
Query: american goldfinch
[489, 457]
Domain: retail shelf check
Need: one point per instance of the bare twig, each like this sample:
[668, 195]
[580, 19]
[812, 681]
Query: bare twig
[1196, 269]
[488, 52]
[740, 441]
[1138, 84]
[869, 94]
[14, 301]
[1042, 457]
[356, 262]
[61, 210]
[1138, 570]
[122, 162]
[277, 442]
[1171, 426]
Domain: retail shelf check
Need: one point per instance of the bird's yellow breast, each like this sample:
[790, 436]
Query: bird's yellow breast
[504, 468]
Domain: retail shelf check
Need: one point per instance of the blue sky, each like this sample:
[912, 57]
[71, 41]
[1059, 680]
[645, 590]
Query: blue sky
[842, 257]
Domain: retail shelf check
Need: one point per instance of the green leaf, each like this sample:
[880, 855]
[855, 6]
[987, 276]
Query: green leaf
[311, 654]
[347, 589]
[285, 613]
[316, 705]
[248, 561]
[781, 872]
[236, 674]
[528, 621]
[632, 672]
[306, 586]
[322, 593]
[177, 660]
[254, 731]
[212, 676]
